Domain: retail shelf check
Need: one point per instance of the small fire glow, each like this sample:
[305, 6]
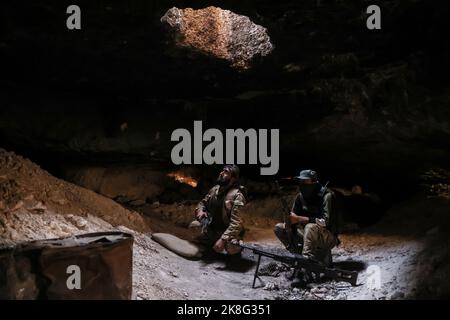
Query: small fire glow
[183, 179]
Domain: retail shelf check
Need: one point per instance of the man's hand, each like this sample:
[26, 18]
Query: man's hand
[295, 219]
[321, 222]
[219, 246]
[200, 215]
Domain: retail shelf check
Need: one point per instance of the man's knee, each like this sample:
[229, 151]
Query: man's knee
[279, 230]
[232, 249]
[312, 228]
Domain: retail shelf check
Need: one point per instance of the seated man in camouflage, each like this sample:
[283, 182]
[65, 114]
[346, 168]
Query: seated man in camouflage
[222, 209]
[312, 221]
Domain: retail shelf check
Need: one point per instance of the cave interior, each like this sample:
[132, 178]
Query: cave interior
[366, 108]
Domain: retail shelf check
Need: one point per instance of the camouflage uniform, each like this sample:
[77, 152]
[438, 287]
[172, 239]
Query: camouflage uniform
[224, 207]
[318, 237]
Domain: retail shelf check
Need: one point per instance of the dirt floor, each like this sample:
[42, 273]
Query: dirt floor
[35, 205]
[395, 257]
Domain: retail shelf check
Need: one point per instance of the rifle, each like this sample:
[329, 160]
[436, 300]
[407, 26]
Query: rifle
[298, 262]
[205, 222]
[323, 189]
[290, 229]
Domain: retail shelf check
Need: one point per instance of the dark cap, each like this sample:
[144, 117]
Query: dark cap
[234, 170]
[307, 174]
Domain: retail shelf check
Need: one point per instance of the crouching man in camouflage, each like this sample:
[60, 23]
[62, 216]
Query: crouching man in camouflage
[312, 220]
[220, 214]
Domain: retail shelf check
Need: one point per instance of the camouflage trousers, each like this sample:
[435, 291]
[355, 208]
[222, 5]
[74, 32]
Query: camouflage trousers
[310, 240]
[208, 239]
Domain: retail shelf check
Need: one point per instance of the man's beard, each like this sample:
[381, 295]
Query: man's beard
[222, 182]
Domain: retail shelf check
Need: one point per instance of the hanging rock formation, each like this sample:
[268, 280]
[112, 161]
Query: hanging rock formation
[218, 33]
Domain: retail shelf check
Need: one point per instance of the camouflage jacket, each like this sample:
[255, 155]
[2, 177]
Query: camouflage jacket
[224, 207]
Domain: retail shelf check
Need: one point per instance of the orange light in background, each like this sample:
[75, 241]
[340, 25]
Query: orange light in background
[183, 179]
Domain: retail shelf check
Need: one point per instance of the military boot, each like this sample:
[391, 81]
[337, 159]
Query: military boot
[233, 260]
